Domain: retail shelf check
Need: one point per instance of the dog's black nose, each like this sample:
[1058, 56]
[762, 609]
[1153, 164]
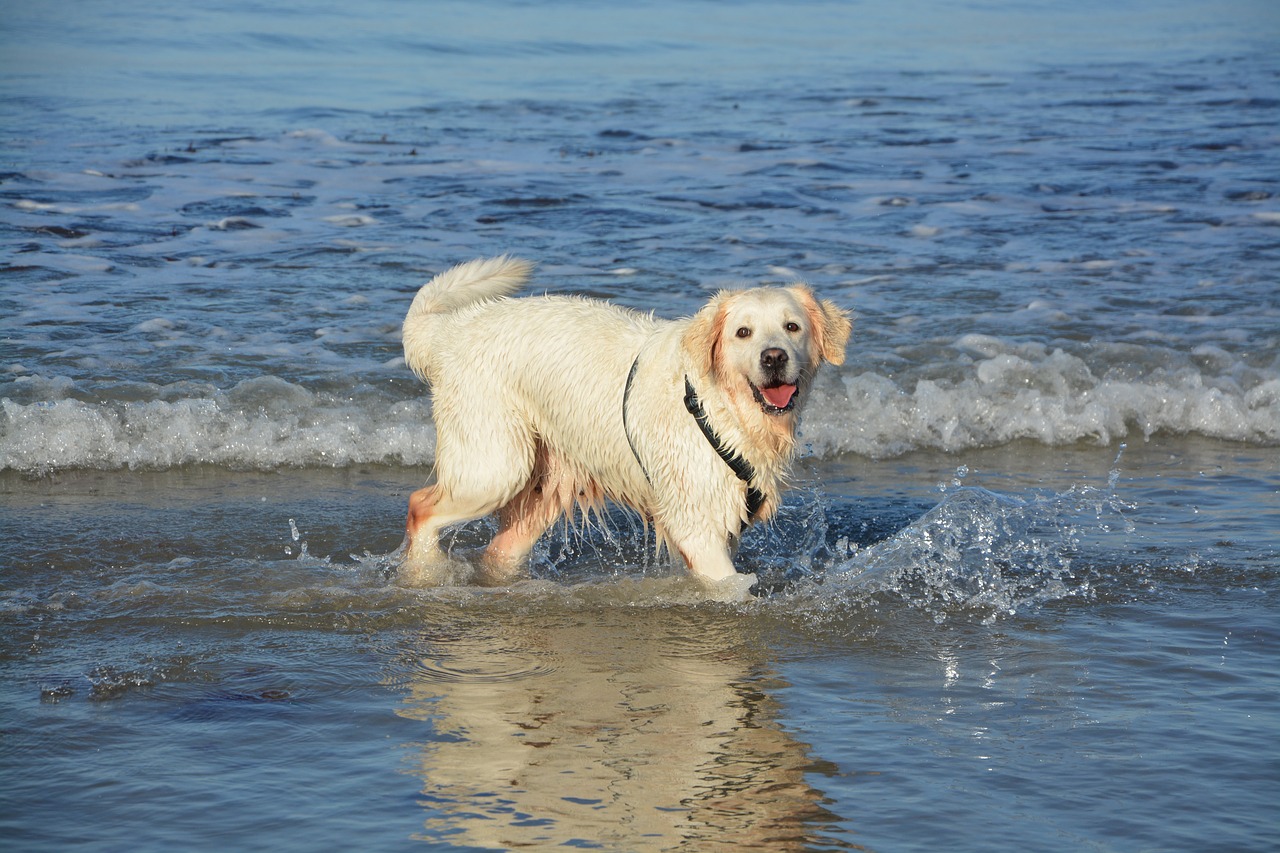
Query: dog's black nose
[773, 359]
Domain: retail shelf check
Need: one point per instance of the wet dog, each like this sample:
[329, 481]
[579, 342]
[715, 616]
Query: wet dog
[547, 404]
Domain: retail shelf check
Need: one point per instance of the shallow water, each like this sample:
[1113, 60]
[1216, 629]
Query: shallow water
[1023, 595]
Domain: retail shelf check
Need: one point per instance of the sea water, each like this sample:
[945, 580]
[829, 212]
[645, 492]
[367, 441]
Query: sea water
[1022, 595]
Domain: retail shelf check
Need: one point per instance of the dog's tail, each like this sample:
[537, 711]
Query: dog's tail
[466, 284]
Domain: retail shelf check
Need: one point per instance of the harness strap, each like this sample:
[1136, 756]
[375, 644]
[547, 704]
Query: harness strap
[626, 430]
[739, 466]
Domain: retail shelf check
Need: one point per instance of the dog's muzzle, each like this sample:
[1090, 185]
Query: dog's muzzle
[776, 399]
[777, 394]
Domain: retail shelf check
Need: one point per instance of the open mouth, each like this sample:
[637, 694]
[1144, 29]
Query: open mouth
[775, 399]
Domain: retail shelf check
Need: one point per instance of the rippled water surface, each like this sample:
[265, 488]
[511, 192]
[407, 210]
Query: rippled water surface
[1023, 595]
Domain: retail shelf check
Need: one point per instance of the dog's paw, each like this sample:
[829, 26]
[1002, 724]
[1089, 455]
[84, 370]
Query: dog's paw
[731, 590]
[495, 574]
[417, 573]
[437, 570]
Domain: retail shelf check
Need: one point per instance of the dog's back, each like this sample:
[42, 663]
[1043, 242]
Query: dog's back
[467, 284]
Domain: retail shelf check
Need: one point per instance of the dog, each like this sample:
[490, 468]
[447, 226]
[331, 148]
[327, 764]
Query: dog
[547, 404]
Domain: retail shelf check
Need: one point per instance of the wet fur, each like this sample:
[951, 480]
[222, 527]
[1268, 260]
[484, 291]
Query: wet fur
[528, 401]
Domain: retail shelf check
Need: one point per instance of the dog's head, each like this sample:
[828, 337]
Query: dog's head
[765, 344]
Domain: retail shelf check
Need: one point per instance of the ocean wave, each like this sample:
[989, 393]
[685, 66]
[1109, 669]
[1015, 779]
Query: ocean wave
[1011, 392]
[986, 392]
[259, 424]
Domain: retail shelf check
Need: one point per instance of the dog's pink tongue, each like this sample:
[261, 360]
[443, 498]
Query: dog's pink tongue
[779, 397]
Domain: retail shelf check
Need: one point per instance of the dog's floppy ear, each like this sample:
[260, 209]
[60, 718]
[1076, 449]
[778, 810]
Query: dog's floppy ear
[701, 341]
[830, 323]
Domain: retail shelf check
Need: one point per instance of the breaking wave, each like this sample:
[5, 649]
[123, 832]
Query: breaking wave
[258, 424]
[978, 392]
[995, 392]
[1048, 397]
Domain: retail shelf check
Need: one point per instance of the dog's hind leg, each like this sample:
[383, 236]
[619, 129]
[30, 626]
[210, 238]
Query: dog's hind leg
[523, 520]
[520, 524]
[420, 535]
[430, 511]
[507, 466]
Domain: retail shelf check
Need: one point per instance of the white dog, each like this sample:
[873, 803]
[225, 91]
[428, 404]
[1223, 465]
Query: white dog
[545, 404]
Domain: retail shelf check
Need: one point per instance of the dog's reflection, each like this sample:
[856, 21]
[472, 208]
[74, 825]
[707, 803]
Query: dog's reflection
[626, 729]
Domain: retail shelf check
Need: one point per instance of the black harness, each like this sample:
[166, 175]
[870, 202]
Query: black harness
[741, 467]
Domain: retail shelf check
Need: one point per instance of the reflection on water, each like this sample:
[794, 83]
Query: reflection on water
[624, 729]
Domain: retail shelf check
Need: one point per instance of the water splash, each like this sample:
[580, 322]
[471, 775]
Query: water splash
[977, 553]
[296, 536]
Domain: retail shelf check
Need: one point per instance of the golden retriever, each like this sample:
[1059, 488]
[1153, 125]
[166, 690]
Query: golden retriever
[548, 403]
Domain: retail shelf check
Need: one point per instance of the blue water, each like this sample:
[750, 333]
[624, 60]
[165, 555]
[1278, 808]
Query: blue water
[1026, 582]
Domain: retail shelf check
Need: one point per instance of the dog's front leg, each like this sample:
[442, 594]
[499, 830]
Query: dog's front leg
[710, 559]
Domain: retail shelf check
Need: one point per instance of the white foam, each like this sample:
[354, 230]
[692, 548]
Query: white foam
[1014, 392]
[1007, 392]
[258, 424]
[323, 137]
[351, 220]
[232, 223]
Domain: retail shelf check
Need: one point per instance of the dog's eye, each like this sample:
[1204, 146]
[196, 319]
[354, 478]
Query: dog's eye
[743, 332]
[793, 327]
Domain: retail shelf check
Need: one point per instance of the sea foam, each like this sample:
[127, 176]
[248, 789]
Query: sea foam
[235, 429]
[1011, 392]
[999, 393]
